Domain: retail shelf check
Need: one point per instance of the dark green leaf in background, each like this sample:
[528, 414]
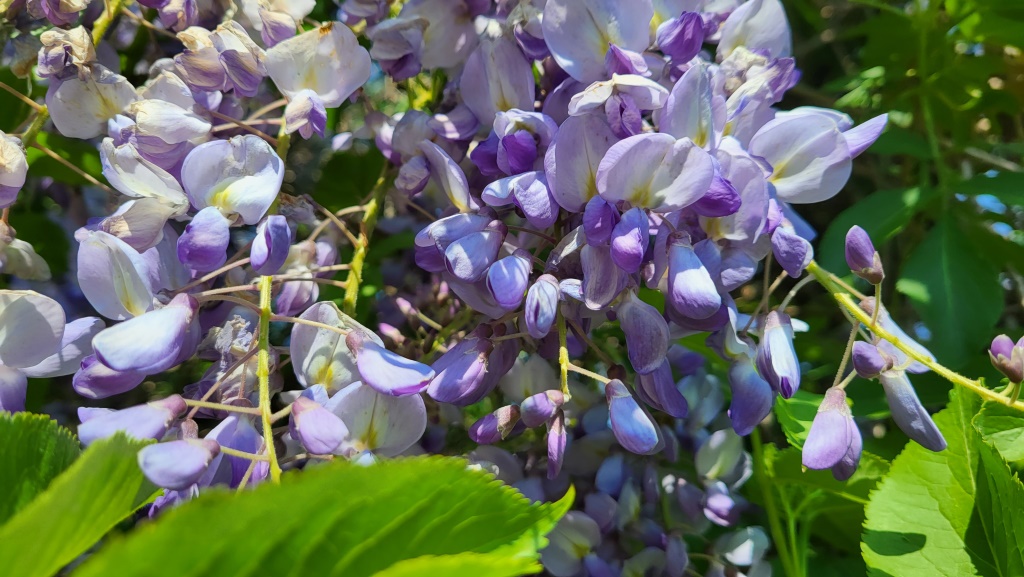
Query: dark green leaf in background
[956, 293]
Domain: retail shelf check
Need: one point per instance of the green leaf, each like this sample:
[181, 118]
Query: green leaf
[796, 414]
[1003, 428]
[882, 214]
[342, 519]
[33, 450]
[935, 513]
[347, 178]
[101, 488]
[461, 565]
[835, 507]
[1008, 187]
[957, 294]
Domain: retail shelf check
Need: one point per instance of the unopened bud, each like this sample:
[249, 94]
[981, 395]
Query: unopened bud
[862, 257]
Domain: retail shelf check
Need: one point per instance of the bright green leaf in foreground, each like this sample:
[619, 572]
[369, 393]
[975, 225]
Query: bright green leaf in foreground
[33, 450]
[796, 414]
[101, 488]
[344, 519]
[935, 513]
[1003, 428]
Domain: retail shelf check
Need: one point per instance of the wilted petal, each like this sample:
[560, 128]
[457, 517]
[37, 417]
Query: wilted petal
[31, 328]
[676, 173]
[380, 423]
[538, 409]
[276, 27]
[177, 465]
[327, 60]
[240, 176]
[633, 427]
[204, 244]
[385, 371]
[152, 342]
[148, 421]
[907, 411]
[495, 426]
[320, 431]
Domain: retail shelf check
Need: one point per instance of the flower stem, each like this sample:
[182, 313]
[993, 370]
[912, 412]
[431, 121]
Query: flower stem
[768, 494]
[825, 278]
[263, 376]
[563, 356]
[99, 28]
[369, 222]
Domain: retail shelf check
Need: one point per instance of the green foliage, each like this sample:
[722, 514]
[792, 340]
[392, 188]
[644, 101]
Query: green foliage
[882, 215]
[796, 414]
[417, 516]
[33, 451]
[1003, 428]
[79, 153]
[948, 513]
[830, 510]
[956, 293]
[81, 505]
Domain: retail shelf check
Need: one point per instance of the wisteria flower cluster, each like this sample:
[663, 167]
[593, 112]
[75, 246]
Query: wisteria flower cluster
[581, 167]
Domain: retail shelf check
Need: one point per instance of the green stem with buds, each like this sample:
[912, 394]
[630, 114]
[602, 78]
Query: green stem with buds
[263, 376]
[846, 301]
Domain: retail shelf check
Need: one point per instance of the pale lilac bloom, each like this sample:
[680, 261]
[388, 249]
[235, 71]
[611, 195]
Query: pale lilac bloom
[80, 107]
[147, 421]
[383, 424]
[497, 77]
[580, 32]
[176, 465]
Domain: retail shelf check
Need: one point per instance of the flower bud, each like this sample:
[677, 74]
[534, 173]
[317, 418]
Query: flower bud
[776, 357]
[629, 240]
[204, 244]
[496, 426]
[633, 427]
[541, 306]
[868, 361]
[832, 433]
[271, 245]
[177, 465]
[1008, 358]
[791, 251]
[507, 279]
[681, 38]
[319, 430]
[538, 409]
[557, 439]
[862, 257]
[385, 371]
[459, 373]
[691, 290]
[148, 421]
[13, 389]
